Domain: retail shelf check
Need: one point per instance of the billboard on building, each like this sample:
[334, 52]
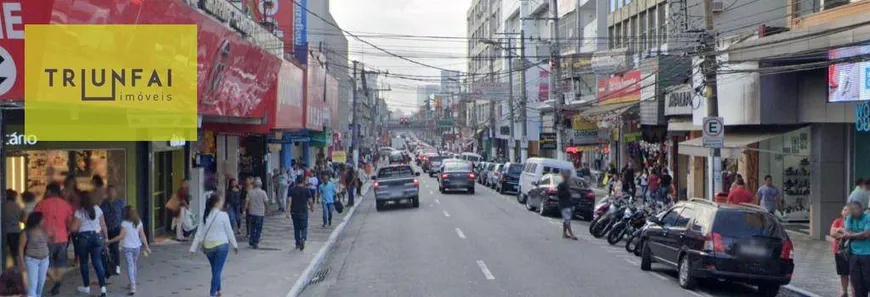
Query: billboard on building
[291, 94]
[300, 30]
[620, 88]
[315, 98]
[849, 82]
[276, 15]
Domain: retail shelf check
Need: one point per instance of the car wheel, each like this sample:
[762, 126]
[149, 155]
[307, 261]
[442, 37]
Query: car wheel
[471, 190]
[768, 290]
[379, 205]
[416, 202]
[687, 281]
[645, 258]
[529, 207]
[541, 210]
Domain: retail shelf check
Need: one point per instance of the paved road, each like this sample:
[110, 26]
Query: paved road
[484, 245]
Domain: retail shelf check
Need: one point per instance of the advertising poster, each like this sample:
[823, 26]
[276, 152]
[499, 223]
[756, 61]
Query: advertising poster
[315, 95]
[620, 89]
[849, 82]
[290, 97]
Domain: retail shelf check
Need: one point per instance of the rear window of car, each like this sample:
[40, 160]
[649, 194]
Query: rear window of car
[515, 169]
[395, 171]
[453, 167]
[741, 224]
[436, 158]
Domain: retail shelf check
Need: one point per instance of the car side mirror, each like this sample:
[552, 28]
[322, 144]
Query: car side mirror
[417, 173]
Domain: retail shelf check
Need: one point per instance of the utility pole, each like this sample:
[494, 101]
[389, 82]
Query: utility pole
[524, 141]
[492, 153]
[510, 58]
[555, 76]
[710, 68]
[354, 147]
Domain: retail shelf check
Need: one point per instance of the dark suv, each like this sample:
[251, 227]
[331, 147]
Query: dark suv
[703, 239]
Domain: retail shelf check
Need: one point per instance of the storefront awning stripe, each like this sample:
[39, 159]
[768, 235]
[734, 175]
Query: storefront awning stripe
[735, 143]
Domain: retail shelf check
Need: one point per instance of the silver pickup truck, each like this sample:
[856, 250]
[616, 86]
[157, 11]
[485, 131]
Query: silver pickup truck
[395, 183]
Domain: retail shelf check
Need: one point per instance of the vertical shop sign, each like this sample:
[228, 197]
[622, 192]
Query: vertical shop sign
[862, 117]
[544, 86]
[300, 30]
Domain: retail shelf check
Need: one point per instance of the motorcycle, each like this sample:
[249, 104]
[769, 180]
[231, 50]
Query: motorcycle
[598, 211]
[613, 214]
[633, 219]
[634, 242]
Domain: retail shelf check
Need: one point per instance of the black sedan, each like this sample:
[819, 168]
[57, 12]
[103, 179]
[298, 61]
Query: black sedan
[456, 176]
[543, 196]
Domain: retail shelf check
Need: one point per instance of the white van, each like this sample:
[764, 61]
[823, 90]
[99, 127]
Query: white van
[537, 167]
[470, 157]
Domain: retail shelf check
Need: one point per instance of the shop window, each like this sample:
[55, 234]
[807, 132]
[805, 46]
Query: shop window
[33, 170]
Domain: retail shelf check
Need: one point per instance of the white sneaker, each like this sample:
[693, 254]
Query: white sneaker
[118, 270]
[85, 290]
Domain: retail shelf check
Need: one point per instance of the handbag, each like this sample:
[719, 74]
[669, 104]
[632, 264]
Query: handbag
[845, 248]
[204, 235]
[339, 207]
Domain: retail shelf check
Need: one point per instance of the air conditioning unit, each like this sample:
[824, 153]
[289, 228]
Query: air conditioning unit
[718, 6]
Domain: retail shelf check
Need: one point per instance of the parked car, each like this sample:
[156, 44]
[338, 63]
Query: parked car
[482, 179]
[509, 179]
[535, 168]
[544, 199]
[456, 176]
[396, 183]
[493, 175]
[703, 239]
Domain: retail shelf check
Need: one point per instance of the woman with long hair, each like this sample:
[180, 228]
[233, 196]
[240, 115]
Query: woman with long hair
[132, 238]
[92, 234]
[33, 253]
[214, 238]
[234, 203]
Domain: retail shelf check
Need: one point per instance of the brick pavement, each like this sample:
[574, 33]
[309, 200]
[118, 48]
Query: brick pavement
[268, 271]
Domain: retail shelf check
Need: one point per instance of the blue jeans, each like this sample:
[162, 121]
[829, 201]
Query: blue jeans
[233, 211]
[256, 230]
[91, 245]
[300, 226]
[643, 193]
[351, 191]
[327, 212]
[36, 270]
[217, 256]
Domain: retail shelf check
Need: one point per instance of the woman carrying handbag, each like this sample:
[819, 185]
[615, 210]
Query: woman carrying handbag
[214, 239]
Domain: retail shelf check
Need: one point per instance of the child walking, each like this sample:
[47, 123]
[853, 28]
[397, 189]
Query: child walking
[132, 238]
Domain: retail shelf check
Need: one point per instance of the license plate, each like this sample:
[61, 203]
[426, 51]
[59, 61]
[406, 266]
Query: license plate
[754, 251]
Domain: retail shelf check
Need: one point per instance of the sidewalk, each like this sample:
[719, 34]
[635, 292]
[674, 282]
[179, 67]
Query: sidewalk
[270, 270]
[814, 266]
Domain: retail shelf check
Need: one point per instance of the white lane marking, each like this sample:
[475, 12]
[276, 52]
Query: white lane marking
[660, 276]
[437, 201]
[446, 214]
[485, 270]
[632, 262]
[459, 232]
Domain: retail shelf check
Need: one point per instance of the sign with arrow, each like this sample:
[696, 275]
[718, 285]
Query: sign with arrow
[8, 71]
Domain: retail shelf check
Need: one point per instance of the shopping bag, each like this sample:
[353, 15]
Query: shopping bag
[173, 204]
[189, 221]
[339, 207]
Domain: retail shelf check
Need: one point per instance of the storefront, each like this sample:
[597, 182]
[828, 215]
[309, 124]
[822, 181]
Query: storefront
[167, 174]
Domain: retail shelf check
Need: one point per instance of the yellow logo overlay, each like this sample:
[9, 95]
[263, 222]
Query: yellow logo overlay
[111, 82]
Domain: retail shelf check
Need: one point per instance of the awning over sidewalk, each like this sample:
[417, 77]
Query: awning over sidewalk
[617, 108]
[735, 143]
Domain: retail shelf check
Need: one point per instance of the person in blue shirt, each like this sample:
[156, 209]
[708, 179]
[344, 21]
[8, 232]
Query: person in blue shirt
[857, 231]
[327, 198]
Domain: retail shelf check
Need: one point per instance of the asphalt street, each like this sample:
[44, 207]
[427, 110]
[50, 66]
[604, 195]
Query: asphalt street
[485, 244]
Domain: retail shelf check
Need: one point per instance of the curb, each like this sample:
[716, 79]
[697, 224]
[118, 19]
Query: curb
[799, 292]
[302, 282]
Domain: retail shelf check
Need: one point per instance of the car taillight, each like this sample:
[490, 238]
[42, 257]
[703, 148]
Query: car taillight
[714, 243]
[787, 250]
[443, 176]
[471, 175]
[551, 191]
[376, 185]
[416, 182]
[590, 196]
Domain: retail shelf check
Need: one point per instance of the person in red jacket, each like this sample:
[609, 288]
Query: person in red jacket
[740, 195]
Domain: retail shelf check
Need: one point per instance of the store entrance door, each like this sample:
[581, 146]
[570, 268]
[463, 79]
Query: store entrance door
[162, 191]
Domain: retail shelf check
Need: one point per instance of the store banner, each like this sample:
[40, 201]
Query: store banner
[291, 95]
[331, 107]
[543, 86]
[276, 15]
[849, 82]
[620, 88]
[314, 99]
[94, 92]
[547, 141]
[679, 100]
[576, 65]
[300, 30]
[583, 131]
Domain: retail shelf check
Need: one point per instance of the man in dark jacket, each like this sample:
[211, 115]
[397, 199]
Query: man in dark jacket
[628, 179]
[566, 206]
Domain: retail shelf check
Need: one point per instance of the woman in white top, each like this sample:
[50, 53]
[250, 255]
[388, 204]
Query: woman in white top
[214, 237]
[132, 237]
[91, 227]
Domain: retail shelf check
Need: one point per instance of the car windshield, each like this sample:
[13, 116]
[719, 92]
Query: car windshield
[395, 171]
[436, 159]
[515, 169]
[743, 224]
[457, 167]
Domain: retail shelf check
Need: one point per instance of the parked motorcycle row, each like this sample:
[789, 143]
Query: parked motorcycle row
[620, 218]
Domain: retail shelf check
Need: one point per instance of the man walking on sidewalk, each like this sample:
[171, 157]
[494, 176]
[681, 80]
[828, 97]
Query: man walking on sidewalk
[301, 203]
[58, 219]
[257, 207]
[113, 210]
[857, 231]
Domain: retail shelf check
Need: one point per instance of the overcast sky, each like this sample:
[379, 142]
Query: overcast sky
[405, 17]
